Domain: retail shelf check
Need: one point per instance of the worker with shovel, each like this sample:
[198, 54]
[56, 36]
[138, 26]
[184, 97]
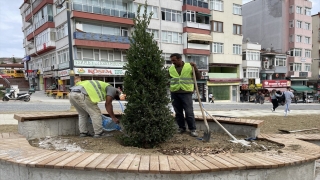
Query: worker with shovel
[181, 88]
[85, 97]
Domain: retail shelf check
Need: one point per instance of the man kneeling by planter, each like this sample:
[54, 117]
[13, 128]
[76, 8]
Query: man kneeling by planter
[85, 97]
[181, 88]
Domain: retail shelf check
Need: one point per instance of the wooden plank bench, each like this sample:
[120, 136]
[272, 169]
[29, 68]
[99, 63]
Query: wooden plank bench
[62, 162]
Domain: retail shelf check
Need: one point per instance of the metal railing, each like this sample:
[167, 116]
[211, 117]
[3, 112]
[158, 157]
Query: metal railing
[43, 20]
[36, 3]
[102, 10]
[101, 37]
[29, 30]
[196, 3]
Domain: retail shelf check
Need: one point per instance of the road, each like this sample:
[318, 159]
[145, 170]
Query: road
[20, 106]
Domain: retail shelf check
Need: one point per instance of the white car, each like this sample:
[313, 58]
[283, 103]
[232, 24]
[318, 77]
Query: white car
[309, 99]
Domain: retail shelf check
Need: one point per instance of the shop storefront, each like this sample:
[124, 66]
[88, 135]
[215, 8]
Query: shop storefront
[64, 80]
[50, 80]
[111, 76]
[280, 85]
[224, 91]
[35, 80]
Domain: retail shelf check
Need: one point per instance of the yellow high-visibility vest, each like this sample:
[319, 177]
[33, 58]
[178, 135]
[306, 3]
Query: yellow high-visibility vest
[183, 81]
[95, 89]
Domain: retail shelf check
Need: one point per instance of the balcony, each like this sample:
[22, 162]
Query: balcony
[223, 75]
[199, 46]
[197, 26]
[29, 30]
[198, 3]
[250, 63]
[36, 3]
[43, 21]
[280, 69]
[45, 47]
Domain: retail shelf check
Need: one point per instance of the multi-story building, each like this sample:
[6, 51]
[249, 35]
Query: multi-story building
[284, 27]
[226, 54]
[100, 31]
[315, 67]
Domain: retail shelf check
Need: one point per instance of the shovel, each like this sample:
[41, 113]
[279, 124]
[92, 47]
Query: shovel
[207, 133]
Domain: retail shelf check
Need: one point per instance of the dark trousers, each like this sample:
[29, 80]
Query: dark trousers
[180, 102]
[275, 103]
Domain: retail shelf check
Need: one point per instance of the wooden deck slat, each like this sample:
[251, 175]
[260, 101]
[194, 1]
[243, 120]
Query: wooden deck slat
[211, 166]
[192, 167]
[183, 168]
[262, 160]
[245, 163]
[61, 164]
[58, 159]
[174, 168]
[51, 158]
[134, 166]
[105, 163]
[154, 164]
[144, 164]
[76, 161]
[257, 165]
[270, 159]
[37, 158]
[251, 159]
[198, 164]
[96, 162]
[216, 163]
[126, 162]
[35, 162]
[87, 161]
[113, 166]
[164, 164]
[226, 163]
[230, 160]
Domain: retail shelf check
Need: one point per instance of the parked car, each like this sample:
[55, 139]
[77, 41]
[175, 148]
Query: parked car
[309, 99]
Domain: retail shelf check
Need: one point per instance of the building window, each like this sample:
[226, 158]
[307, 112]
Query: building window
[307, 11]
[216, 5]
[62, 31]
[237, 9]
[217, 26]
[291, 38]
[307, 40]
[295, 52]
[153, 9]
[299, 38]
[307, 67]
[167, 59]
[252, 56]
[307, 53]
[237, 49]
[171, 15]
[100, 55]
[155, 33]
[63, 56]
[189, 16]
[299, 24]
[171, 37]
[299, 10]
[291, 9]
[63, 6]
[295, 67]
[201, 61]
[280, 62]
[251, 73]
[217, 48]
[291, 24]
[236, 29]
[307, 26]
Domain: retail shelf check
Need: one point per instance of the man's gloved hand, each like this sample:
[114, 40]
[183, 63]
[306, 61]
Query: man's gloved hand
[116, 120]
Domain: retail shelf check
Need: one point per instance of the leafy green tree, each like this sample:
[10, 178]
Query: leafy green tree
[147, 119]
[14, 60]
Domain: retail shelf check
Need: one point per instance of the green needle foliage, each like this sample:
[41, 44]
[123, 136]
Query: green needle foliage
[147, 119]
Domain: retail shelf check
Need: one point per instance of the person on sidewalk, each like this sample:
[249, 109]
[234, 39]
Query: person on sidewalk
[85, 97]
[289, 96]
[274, 99]
[181, 88]
[210, 97]
[212, 100]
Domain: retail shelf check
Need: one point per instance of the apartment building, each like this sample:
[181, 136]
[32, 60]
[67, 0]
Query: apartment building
[226, 54]
[315, 67]
[283, 27]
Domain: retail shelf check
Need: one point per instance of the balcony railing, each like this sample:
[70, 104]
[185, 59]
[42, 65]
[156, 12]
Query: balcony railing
[222, 75]
[43, 20]
[29, 30]
[102, 10]
[36, 3]
[196, 3]
[27, 12]
[197, 25]
[199, 46]
[303, 74]
[101, 37]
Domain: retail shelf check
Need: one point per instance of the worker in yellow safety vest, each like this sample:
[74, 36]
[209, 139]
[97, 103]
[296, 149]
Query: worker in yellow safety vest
[182, 88]
[84, 96]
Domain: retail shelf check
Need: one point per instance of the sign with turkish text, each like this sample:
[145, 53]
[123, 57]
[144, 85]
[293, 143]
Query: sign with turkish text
[63, 73]
[85, 63]
[276, 83]
[94, 71]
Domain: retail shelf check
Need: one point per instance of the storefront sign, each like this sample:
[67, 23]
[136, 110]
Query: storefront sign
[49, 74]
[94, 71]
[276, 83]
[64, 77]
[244, 86]
[113, 64]
[221, 84]
[63, 73]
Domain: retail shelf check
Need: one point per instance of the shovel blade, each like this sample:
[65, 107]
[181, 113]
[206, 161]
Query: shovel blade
[206, 136]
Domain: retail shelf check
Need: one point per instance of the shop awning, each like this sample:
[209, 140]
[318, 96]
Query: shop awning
[302, 89]
[199, 37]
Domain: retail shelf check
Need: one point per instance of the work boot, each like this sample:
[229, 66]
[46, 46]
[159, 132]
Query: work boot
[180, 130]
[101, 135]
[194, 133]
[87, 134]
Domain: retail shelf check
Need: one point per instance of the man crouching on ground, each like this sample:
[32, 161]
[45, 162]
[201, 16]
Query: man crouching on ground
[85, 97]
[181, 88]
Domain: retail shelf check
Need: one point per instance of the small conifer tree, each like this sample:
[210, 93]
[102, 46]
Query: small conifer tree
[147, 119]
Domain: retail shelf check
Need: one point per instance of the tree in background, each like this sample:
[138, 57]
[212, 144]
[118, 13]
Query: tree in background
[147, 119]
[14, 60]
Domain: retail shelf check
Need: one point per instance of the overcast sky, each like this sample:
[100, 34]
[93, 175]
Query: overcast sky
[11, 35]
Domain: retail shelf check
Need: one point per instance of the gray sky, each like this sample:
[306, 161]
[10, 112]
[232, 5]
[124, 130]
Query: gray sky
[11, 35]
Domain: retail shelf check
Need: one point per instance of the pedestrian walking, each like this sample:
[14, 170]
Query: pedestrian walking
[210, 97]
[261, 98]
[274, 99]
[181, 88]
[257, 98]
[241, 97]
[289, 96]
[85, 97]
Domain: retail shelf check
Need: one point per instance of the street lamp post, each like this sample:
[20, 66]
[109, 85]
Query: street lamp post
[71, 65]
